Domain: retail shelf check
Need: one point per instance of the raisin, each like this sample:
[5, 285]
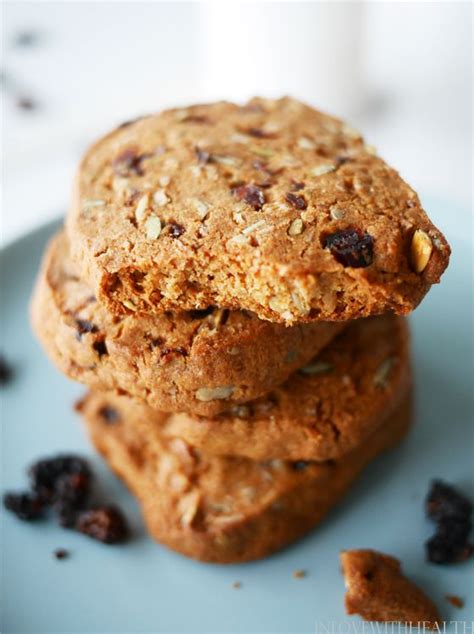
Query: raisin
[441, 551]
[201, 313]
[342, 160]
[298, 202]
[202, 156]
[444, 501]
[6, 372]
[84, 326]
[296, 186]
[66, 513]
[168, 354]
[175, 230]
[109, 414]
[72, 489]
[62, 477]
[26, 506]
[100, 347]
[351, 247]
[258, 133]
[106, 524]
[300, 465]
[196, 118]
[451, 511]
[129, 163]
[251, 194]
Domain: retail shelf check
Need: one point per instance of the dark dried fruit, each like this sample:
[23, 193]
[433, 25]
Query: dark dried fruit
[300, 465]
[451, 511]
[298, 202]
[106, 524]
[61, 553]
[84, 326]
[351, 247]
[6, 372]
[129, 163]
[342, 160]
[445, 502]
[251, 194]
[100, 347]
[296, 186]
[258, 133]
[201, 313]
[196, 118]
[109, 414]
[440, 550]
[175, 230]
[65, 477]
[66, 513]
[168, 354]
[202, 156]
[26, 506]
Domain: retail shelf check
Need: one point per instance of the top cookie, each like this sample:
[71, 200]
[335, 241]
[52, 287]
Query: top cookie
[272, 207]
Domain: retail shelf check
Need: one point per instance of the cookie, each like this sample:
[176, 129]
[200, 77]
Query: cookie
[225, 510]
[202, 362]
[270, 207]
[322, 412]
[377, 590]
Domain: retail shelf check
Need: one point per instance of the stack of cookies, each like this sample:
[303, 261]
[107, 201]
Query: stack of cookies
[230, 284]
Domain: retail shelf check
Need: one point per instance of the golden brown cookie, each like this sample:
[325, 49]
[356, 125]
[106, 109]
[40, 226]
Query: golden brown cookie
[225, 510]
[323, 411]
[271, 207]
[202, 362]
[378, 591]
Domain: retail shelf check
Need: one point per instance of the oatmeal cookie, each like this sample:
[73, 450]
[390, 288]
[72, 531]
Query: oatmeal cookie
[225, 510]
[271, 207]
[202, 362]
[323, 411]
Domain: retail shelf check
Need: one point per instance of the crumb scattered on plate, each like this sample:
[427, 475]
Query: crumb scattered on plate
[299, 574]
[454, 600]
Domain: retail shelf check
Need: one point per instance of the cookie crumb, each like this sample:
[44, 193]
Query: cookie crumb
[299, 574]
[377, 590]
[454, 600]
[237, 585]
[61, 553]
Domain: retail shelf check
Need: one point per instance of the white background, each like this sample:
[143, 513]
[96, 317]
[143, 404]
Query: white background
[401, 72]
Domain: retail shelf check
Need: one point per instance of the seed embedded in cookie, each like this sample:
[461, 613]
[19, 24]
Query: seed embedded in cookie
[420, 252]
[214, 393]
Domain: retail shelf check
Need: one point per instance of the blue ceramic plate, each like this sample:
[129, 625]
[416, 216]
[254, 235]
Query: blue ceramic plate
[141, 586]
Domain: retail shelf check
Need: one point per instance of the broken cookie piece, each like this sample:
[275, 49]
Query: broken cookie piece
[377, 590]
